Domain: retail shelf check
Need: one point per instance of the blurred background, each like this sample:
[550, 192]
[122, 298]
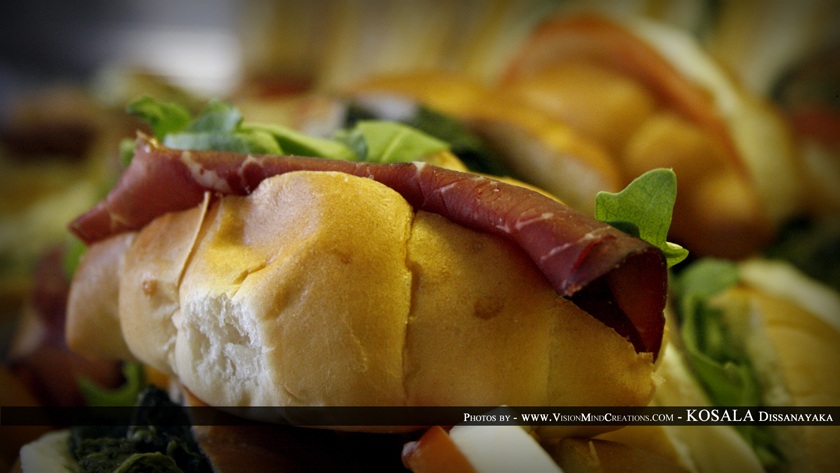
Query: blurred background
[195, 43]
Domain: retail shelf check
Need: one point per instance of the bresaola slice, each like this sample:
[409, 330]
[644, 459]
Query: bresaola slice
[619, 279]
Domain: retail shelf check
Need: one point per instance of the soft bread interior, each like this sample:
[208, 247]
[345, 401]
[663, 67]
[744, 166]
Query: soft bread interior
[296, 294]
[327, 289]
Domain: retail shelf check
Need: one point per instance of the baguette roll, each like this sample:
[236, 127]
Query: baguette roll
[323, 288]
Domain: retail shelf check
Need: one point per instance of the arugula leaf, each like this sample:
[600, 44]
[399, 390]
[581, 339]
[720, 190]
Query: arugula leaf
[389, 142]
[297, 143]
[164, 118]
[707, 278]
[126, 151]
[354, 140]
[217, 117]
[256, 142]
[220, 127]
[464, 144]
[469, 147]
[721, 367]
[644, 209]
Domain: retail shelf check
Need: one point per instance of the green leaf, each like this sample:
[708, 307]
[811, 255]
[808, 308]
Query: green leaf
[353, 139]
[706, 337]
[706, 278]
[221, 127]
[646, 205]
[390, 142]
[300, 144]
[125, 395]
[164, 118]
[156, 438]
[718, 362]
[74, 249]
[465, 144]
[217, 117]
[251, 142]
[126, 152]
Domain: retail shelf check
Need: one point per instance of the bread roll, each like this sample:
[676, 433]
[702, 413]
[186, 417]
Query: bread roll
[663, 102]
[323, 288]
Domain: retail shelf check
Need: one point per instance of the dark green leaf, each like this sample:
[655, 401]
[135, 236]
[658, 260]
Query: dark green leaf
[355, 140]
[466, 145]
[154, 462]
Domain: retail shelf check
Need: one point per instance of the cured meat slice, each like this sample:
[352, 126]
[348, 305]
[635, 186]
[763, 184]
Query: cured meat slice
[619, 279]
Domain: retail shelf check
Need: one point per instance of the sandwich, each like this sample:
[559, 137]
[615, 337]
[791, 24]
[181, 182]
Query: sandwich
[256, 266]
[753, 333]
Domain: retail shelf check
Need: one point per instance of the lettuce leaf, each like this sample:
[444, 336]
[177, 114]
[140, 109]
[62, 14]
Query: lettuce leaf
[721, 368]
[644, 209]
